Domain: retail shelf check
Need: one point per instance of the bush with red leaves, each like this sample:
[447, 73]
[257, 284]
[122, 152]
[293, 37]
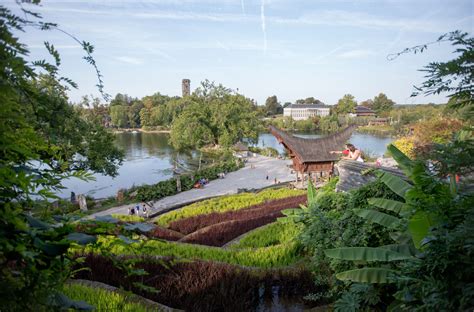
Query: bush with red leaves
[201, 285]
[160, 232]
[192, 224]
[221, 233]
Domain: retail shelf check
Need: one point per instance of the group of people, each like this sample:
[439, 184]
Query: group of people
[136, 210]
[351, 152]
[201, 182]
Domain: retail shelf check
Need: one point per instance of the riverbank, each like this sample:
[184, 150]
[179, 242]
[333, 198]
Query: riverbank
[132, 130]
[252, 176]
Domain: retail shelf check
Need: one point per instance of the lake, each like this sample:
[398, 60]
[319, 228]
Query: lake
[149, 158]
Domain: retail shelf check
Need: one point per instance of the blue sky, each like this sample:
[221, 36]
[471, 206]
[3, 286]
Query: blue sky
[289, 48]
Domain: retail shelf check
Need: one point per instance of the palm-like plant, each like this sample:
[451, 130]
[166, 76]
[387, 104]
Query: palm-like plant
[410, 224]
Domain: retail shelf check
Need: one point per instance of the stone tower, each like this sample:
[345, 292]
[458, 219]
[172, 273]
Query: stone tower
[186, 87]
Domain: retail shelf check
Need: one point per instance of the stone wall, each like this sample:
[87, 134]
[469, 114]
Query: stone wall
[351, 174]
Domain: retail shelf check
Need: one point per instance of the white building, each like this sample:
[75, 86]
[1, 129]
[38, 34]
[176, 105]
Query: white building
[305, 111]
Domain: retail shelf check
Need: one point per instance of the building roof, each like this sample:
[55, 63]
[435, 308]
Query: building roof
[363, 109]
[314, 150]
[307, 106]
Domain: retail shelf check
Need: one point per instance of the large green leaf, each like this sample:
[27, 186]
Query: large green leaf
[367, 275]
[396, 184]
[405, 249]
[366, 254]
[418, 226]
[405, 163]
[401, 237]
[378, 217]
[311, 192]
[387, 204]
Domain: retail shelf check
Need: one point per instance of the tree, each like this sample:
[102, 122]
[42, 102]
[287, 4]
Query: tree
[134, 113]
[453, 77]
[191, 130]
[227, 116]
[119, 116]
[272, 106]
[312, 100]
[345, 105]
[382, 103]
[44, 140]
[367, 103]
[286, 104]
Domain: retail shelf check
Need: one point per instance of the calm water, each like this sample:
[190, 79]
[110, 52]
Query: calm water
[374, 145]
[149, 158]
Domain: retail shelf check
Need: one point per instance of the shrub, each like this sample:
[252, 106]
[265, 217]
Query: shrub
[191, 224]
[226, 203]
[201, 285]
[170, 235]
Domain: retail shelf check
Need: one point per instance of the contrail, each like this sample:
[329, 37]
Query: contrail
[262, 16]
[243, 6]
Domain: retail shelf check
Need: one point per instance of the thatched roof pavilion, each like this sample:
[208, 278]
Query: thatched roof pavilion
[313, 155]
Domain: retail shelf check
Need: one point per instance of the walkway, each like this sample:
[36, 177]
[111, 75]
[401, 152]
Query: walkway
[252, 176]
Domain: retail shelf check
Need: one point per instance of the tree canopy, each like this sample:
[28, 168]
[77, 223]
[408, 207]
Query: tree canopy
[272, 106]
[345, 105]
[43, 140]
[217, 115]
[381, 103]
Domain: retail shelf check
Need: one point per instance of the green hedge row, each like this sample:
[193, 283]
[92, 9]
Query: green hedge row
[168, 187]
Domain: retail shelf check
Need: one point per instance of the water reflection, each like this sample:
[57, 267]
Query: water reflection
[149, 158]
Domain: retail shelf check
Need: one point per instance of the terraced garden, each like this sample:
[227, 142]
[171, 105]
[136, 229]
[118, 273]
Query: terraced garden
[228, 253]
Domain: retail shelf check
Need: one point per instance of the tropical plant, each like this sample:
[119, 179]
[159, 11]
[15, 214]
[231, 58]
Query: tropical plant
[410, 225]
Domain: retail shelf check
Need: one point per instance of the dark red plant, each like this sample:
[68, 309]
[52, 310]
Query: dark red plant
[192, 224]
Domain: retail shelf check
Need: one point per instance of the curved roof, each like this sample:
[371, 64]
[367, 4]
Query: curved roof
[314, 150]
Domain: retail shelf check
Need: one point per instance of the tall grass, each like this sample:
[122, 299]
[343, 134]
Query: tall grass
[265, 257]
[105, 300]
[273, 234]
[226, 203]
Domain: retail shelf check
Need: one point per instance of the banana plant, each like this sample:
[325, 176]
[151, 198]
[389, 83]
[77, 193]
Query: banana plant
[410, 226]
[300, 214]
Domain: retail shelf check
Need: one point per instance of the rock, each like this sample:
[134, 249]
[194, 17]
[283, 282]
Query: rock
[133, 194]
[82, 202]
[120, 196]
[353, 174]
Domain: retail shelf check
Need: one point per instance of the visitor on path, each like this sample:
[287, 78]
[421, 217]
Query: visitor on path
[138, 209]
[144, 210]
[132, 211]
[354, 153]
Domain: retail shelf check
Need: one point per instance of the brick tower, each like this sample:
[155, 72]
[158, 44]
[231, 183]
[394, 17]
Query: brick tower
[186, 87]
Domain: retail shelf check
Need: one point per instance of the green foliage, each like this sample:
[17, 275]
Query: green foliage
[119, 116]
[265, 151]
[345, 105]
[105, 300]
[226, 203]
[263, 257]
[269, 235]
[272, 106]
[381, 103]
[216, 115]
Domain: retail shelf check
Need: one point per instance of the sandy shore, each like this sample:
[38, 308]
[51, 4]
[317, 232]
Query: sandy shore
[252, 176]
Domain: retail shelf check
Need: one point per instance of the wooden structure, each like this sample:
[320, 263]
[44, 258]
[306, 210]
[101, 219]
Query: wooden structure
[312, 157]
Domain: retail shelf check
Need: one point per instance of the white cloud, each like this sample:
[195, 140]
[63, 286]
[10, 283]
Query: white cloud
[264, 30]
[361, 19]
[129, 60]
[356, 54]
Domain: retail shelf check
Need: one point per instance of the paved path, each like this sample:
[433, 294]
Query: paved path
[252, 176]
